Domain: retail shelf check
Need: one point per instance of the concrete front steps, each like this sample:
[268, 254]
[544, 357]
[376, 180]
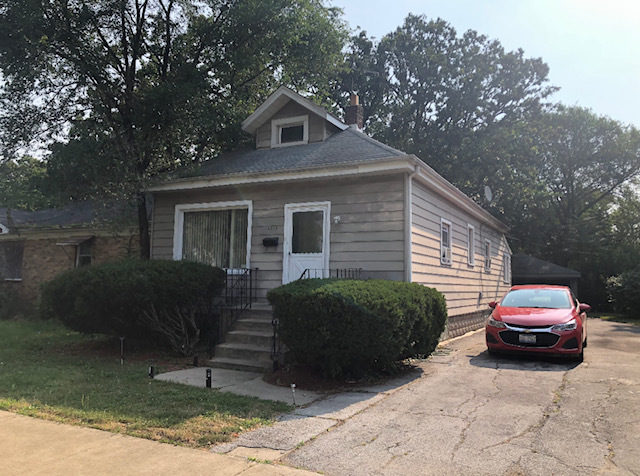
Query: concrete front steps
[248, 345]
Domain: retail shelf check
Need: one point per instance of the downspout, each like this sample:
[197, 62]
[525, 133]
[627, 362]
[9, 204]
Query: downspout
[408, 223]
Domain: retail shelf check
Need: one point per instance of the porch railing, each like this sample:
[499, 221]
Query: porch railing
[339, 273]
[238, 294]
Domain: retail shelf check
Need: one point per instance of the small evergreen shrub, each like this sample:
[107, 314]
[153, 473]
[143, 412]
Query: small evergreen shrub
[624, 292]
[155, 300]
[345, 328]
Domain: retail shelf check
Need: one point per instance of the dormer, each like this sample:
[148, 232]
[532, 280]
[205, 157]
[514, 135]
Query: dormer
[287, 119]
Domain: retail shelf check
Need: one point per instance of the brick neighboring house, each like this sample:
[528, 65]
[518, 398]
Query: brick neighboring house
[36, 246]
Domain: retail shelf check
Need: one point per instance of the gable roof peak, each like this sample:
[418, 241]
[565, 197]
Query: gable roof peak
[276, 101]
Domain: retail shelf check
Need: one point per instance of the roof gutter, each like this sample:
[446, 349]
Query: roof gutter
[395, 164]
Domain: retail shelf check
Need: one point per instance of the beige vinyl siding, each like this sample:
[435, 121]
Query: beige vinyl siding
[369, 235]
[467, 288]
[317, 130]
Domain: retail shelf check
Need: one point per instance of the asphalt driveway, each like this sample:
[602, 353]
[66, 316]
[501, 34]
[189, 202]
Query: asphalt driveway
[469, 413]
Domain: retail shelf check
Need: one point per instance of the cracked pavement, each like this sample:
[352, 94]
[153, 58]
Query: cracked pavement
[465, 412]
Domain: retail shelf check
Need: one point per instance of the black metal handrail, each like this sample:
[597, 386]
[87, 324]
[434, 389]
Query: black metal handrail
[238, 295]
[338, 273]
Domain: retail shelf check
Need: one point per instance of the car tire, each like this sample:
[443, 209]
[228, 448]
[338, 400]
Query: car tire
[584, 344]
[580, 357]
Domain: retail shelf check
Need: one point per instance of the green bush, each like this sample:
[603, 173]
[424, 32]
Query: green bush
[346, 328]
[624, 292]
[160, 301]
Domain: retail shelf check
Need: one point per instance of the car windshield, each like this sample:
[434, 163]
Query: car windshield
[541, 298]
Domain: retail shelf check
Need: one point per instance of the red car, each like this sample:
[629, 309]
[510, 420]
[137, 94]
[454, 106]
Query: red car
[538, 318]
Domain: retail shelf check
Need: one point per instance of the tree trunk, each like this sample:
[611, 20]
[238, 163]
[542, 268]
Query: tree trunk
[143, 226]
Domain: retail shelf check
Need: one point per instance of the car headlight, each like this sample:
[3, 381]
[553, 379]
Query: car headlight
[493, 323]
[569, 326]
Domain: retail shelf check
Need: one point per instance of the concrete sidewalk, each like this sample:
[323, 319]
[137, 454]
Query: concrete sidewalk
[39, 447]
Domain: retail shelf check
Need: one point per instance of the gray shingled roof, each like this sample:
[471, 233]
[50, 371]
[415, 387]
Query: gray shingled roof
[75, 215]
[344, 147]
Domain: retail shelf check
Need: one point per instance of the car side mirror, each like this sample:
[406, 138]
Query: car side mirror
[493, 304]
[584, 308]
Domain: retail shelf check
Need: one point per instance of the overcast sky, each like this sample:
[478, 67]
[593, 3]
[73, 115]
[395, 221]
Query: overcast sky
[592, 47]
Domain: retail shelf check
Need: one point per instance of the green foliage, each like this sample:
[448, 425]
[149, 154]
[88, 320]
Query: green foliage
[444, 96]
[158, 300]
[23, 185]
[347, 327]
[624, 292]
[127, 90]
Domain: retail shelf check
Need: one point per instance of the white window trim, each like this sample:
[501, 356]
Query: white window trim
[507, 268]
[487, 256]
[278, 124]
[178, 227]
[471, 245]
[444, 259]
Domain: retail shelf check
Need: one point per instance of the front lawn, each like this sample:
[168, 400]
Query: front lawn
[49, 372]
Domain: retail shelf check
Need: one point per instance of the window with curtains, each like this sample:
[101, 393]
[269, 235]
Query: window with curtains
[216, 237]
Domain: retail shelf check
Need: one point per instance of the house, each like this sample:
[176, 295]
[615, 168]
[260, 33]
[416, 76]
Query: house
[317, 196]
[529, 270]
[35, 246]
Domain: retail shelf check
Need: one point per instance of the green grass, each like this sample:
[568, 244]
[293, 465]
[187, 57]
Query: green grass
[49, 372]
[612, 316]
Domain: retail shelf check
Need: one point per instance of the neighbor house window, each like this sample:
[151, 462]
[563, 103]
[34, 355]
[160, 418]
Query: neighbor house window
[83, 254]
[445, 241]
[471, 245]
[507, 268]
[487, 256]
[11, 254]
[290, 131]
[214, 234]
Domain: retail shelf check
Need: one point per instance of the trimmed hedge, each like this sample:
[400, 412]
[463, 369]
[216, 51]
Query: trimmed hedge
[155, 300]
[624, 292]
[345, 328]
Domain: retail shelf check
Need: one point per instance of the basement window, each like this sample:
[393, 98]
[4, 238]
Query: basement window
[290, 131]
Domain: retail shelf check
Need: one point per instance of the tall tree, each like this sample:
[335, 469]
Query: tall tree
[584, 159]
[23, 184]
[444, 97]
[138, 87]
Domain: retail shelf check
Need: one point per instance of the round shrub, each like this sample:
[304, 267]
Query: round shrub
[624, 292]
[348, 327]
[156, 300]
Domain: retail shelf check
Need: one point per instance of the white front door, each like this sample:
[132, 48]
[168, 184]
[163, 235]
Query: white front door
[306, 240]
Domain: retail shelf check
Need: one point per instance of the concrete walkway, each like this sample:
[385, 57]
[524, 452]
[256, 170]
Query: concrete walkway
[241, 383]
[29, 446]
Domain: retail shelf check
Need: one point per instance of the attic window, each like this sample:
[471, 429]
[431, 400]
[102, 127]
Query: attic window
[290, 131]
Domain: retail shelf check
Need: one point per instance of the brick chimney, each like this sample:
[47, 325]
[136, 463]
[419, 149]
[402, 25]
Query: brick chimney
[354, 115]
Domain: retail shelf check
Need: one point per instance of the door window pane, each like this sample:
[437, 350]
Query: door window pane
[307, 232]
[216, 237]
